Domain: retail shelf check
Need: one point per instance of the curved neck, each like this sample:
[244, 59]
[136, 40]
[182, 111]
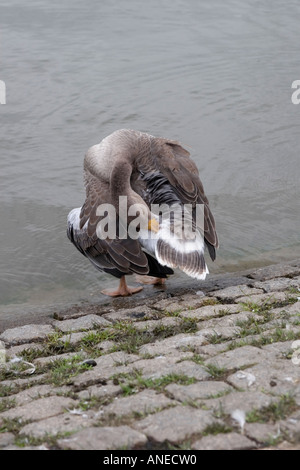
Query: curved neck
[120, 186]
[120, 181]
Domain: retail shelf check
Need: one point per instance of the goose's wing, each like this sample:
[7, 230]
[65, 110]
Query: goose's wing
[171, 176]
[115, 256]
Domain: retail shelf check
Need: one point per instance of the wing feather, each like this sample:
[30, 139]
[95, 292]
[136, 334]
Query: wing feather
[171, 176]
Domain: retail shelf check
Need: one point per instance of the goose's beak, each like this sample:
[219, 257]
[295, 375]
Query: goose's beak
[153, 225]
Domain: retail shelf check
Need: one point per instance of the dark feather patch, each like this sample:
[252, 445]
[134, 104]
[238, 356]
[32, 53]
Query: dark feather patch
[171, 177]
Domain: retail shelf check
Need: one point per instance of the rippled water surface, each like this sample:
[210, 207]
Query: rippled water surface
[215, 75]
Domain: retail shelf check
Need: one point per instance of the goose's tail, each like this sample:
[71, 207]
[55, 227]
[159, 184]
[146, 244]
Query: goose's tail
[180, 243]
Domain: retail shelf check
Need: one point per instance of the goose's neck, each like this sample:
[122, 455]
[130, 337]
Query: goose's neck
[120, 187]
[120, 180]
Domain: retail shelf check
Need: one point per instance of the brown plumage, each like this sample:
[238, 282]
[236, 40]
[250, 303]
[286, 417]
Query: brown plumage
[148, 170]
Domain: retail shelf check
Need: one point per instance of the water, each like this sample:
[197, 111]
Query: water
[215, 75]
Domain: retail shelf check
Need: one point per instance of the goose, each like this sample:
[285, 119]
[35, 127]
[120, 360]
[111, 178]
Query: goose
[145, 172]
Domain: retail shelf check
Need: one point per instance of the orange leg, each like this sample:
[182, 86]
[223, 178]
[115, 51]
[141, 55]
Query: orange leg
[123, 290]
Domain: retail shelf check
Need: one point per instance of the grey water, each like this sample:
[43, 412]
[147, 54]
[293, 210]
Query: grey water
[214, 75]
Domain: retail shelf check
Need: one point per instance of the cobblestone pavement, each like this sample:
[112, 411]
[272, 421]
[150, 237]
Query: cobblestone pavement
[219, 370]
